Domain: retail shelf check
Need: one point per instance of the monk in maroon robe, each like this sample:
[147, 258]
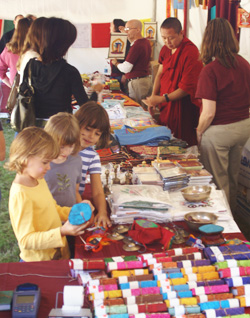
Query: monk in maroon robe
[176, 82]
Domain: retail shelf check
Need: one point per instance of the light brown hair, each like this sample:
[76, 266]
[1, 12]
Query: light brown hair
[33, 38]
[95, 116]
[31, 141]
[219, 42]
[16, 43]
[65, 130]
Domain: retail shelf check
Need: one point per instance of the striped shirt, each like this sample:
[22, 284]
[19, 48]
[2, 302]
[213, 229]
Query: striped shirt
[90, 164]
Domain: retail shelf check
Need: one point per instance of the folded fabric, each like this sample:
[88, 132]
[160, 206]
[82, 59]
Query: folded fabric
[150, 136]
[182, 310]
[232, 263]
[215, 282]
[143, 299]
[234, 272]
[198, 269]
[206, 298]
[222, 253]
[237, 281]
[211, 313]
[204, 290]
[241, 290]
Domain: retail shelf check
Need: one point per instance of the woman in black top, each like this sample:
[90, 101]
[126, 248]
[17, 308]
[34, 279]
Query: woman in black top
[53, 79]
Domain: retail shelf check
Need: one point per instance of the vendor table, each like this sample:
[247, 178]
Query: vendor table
[50, 276]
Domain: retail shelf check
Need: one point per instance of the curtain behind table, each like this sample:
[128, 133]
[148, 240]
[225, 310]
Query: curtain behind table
[227, 9]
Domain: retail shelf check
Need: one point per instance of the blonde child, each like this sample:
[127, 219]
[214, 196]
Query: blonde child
[35, 217]
[94, 131]
[65, 174]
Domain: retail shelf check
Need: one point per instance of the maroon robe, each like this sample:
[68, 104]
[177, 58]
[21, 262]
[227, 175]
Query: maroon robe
[181, 70]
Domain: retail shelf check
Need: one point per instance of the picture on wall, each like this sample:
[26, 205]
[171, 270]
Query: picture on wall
[117, 46]
[150, 30]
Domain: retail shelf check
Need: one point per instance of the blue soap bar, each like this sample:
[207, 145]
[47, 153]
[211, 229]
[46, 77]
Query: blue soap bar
[80, 213]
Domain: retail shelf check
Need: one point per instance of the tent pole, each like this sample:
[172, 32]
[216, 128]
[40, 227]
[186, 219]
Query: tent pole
[154, 11]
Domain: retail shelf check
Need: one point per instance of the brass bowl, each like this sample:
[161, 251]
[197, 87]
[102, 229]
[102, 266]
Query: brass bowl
[196, 193]
[196, 219]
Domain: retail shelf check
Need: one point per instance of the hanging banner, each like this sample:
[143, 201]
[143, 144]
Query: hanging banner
[243, 18]
[179, 4]
[100, 34]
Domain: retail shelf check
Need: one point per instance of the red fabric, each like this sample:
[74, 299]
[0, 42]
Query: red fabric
[225, 86]
[147, 235]
[148, 308]
[1, 31]
[49, 286]
[100, 34]
[181, 70]
[139, 55]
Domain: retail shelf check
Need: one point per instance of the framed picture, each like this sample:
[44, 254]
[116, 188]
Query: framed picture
[150, 30]
[117, 46]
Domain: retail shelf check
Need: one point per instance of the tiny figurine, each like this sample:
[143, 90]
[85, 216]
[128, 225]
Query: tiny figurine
[106, 186]
[128, 178]
[116, 180]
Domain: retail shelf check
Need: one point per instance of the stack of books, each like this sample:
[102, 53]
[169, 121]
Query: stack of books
[199, 177]
[173, 177]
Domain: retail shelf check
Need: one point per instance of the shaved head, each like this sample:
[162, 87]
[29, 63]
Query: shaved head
[136, 24]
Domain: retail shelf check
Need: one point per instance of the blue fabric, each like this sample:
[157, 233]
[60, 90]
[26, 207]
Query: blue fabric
[80, 213]
[149, 137]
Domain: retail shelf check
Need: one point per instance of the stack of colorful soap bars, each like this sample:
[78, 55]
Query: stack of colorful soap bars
[180, 283]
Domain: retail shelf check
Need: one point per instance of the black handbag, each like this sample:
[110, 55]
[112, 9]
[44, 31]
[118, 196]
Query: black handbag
[11, 102]
[23, 114]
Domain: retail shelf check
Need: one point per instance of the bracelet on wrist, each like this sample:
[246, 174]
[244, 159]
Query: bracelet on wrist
[166, 97]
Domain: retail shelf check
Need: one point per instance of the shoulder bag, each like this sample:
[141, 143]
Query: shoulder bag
[13, 94]
[23, 114]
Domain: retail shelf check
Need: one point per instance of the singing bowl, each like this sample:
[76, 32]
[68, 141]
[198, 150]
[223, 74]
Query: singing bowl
[196, 193]
[196, 219]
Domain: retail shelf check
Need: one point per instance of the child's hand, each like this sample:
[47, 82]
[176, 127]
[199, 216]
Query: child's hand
[90, 204]
[102, 219]
[74, 230]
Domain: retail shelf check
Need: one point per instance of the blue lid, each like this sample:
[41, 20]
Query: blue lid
[80, 213]
[211, 229]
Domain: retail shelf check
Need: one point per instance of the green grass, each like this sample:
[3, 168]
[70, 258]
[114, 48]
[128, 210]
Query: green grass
[9, 251]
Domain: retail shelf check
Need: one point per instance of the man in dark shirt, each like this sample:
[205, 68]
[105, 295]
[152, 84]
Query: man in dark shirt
[8, 35]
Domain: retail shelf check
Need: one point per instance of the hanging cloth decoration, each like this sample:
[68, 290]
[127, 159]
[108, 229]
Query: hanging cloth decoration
[168, 8]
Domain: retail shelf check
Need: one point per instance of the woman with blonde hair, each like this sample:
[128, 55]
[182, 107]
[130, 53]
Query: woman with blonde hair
[10, 54]
[224, 124]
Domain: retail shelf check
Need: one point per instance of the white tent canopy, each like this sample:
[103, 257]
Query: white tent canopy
[88, 60]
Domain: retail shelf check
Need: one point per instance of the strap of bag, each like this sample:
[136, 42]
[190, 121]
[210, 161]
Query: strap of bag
[29, 77]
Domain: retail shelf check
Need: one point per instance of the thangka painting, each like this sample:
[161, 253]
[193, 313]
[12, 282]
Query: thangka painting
[117, 46]
[243, 18]
[150, 30]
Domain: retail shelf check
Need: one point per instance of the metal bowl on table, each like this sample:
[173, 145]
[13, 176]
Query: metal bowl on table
[196, 219]
[196, 193]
